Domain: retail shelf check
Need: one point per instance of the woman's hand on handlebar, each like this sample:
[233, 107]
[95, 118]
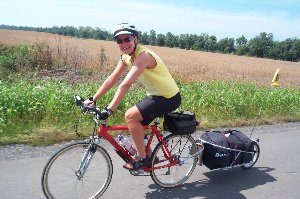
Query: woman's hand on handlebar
[89, 102]
[90, 105]
[105, 113]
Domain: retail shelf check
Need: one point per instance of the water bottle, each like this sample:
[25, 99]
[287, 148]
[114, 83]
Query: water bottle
[126, 144]
[145, 140]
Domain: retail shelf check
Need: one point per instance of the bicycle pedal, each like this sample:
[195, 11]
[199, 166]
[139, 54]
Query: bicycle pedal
[139, 172]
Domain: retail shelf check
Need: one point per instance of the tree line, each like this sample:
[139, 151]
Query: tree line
[262, 45]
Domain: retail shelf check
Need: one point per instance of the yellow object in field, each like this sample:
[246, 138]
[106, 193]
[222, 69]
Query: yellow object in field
[275, 81]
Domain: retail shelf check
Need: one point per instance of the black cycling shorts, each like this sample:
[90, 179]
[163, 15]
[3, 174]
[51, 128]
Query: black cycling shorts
[155, 106]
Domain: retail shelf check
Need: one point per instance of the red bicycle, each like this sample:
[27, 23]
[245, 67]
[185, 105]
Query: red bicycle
[84, 169]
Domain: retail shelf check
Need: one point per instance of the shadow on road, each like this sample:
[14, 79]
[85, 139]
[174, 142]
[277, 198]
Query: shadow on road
[217, 184]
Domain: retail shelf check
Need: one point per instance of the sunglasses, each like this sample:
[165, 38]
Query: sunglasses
[127, 39]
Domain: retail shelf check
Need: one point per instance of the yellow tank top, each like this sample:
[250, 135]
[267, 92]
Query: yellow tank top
[157, 81]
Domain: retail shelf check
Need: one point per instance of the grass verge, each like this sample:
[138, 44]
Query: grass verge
[42, 112]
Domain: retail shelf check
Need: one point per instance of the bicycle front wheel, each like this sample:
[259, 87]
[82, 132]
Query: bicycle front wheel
[60, 177]
[183, 150]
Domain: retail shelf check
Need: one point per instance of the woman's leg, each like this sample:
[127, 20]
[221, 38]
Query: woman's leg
[145, 112]
[133, 119]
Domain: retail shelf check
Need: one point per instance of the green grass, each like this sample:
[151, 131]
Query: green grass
[43, 111]
[223, 104]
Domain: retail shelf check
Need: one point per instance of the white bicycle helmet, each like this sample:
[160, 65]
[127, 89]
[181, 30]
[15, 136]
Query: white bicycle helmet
[125, 28]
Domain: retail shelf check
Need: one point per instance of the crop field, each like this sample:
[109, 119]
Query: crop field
[185, 65]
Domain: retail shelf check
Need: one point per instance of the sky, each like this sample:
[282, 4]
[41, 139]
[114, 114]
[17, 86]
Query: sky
[222, 18]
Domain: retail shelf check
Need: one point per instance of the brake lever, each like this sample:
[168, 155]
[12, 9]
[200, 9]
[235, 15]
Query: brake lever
[93, 109]
[86, 107]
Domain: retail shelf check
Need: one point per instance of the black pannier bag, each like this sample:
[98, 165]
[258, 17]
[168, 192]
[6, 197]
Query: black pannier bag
[215, 154]
[240, 141]
[180, 122]
[226, 148]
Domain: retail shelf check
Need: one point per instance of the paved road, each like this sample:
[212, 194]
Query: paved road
[276, 174]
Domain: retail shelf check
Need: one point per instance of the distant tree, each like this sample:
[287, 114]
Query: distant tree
[288, 50]
[242, 50]
[226, 45]
[99, 34]
[291, 49]
[144, 38]
[170, 40]
[160, 40]
[81, 32]
[205, 40]
[261, 44]
[182, 41]
[199, 43]
[296, 48]
[188, 41]
[241, 41]
[210, 43]
[242, 46]
[88, 32]
[55, 30]
[276, 52]
[71, 31]
[175, 41]
[192, 38]
[152, 37]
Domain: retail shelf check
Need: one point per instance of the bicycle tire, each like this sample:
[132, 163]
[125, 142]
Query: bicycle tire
[254, 157]
[182, 147]
[60, 181]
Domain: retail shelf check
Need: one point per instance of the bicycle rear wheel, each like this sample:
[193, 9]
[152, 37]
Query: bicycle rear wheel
[60, 177]
[182, 148]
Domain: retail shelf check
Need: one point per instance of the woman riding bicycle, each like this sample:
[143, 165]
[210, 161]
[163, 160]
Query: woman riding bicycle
[162, 92]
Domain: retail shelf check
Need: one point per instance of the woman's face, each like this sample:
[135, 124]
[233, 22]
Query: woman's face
[126, 43]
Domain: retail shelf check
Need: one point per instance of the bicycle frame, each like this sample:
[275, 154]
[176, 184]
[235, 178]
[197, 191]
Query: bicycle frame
[74, 161]
[103, 132]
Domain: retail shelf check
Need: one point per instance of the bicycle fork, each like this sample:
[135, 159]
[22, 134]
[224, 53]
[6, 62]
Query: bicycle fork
[86, 160]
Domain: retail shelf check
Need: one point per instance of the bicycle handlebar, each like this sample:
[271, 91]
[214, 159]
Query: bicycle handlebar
[86, 108]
